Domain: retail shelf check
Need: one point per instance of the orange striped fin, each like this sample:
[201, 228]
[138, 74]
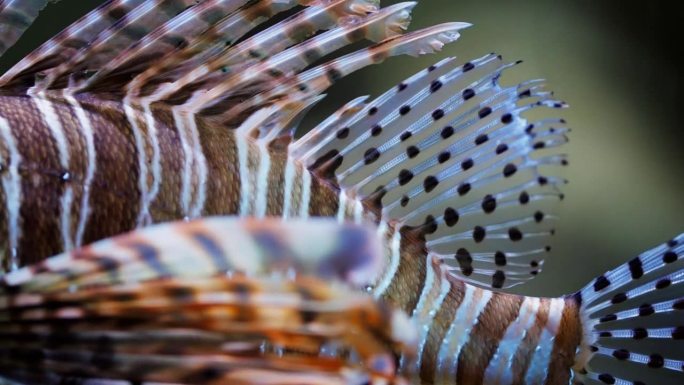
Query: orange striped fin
[217, 330]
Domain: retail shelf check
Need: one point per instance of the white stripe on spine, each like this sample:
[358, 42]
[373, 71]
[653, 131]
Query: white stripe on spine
[179, 122]
[289, 185]
[306, 194]
[457, 336]
[423, 319]
[156, 158]
[342, 209]
[47, 109]
[539, 366]
[142, 162]
[87, 129]
[11, 183]
[394, 261]
[261, 197]
[499, 370]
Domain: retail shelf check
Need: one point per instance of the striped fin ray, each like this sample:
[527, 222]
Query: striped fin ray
[223, 329]
[172, 35]
[130, 29]
[632, 317]
[318, 79]
[200, 248]
[15, 17]
[443, 150]
[211, 45]
[388, 21]
[63, 46]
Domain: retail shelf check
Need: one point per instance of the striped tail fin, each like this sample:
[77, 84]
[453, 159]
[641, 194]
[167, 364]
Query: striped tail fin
[205, 302]
[633, 319]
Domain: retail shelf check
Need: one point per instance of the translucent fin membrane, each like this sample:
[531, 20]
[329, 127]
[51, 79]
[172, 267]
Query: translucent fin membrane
[440, 153]
[633, 321]
[211, 301]
[65, 45]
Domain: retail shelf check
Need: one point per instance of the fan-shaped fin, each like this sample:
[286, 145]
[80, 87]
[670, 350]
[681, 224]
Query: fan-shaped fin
[442, 151]
[632, 317]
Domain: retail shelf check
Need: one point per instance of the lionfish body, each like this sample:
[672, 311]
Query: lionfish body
[153, 111]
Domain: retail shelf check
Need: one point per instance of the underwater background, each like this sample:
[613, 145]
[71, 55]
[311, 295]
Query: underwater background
[615, 62]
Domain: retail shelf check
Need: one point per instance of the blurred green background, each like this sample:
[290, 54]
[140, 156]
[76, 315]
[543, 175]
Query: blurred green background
[615, 62]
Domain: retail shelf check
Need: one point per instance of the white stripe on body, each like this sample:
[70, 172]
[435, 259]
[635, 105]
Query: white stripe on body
[457, 336]
[242, 149]
[47, 109]
[186, 177]
[425, 312]
[394, 261]
[306, 194]
[11, 183]
[290, 174]
[539, 366]
[261, 198]
[156, 160]
[499, 370]
[87, 130]
[144, 214]
[200, 162]
[342, 209]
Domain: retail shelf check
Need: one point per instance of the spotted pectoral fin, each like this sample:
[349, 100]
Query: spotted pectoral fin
[633, 318]
[218, 329]
[442, 152]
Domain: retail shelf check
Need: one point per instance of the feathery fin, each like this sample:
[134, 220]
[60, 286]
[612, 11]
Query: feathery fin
[436, 155]
[634, 322]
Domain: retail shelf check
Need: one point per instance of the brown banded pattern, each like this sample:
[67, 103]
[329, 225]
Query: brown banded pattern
[159, 110]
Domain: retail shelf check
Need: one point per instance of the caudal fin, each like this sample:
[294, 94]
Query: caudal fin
[633, 319]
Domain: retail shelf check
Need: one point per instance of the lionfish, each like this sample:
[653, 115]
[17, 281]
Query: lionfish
[149, 111]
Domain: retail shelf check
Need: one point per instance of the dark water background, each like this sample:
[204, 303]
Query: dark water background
[616, 62]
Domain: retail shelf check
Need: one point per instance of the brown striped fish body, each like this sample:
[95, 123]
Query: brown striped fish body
[161, 110]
